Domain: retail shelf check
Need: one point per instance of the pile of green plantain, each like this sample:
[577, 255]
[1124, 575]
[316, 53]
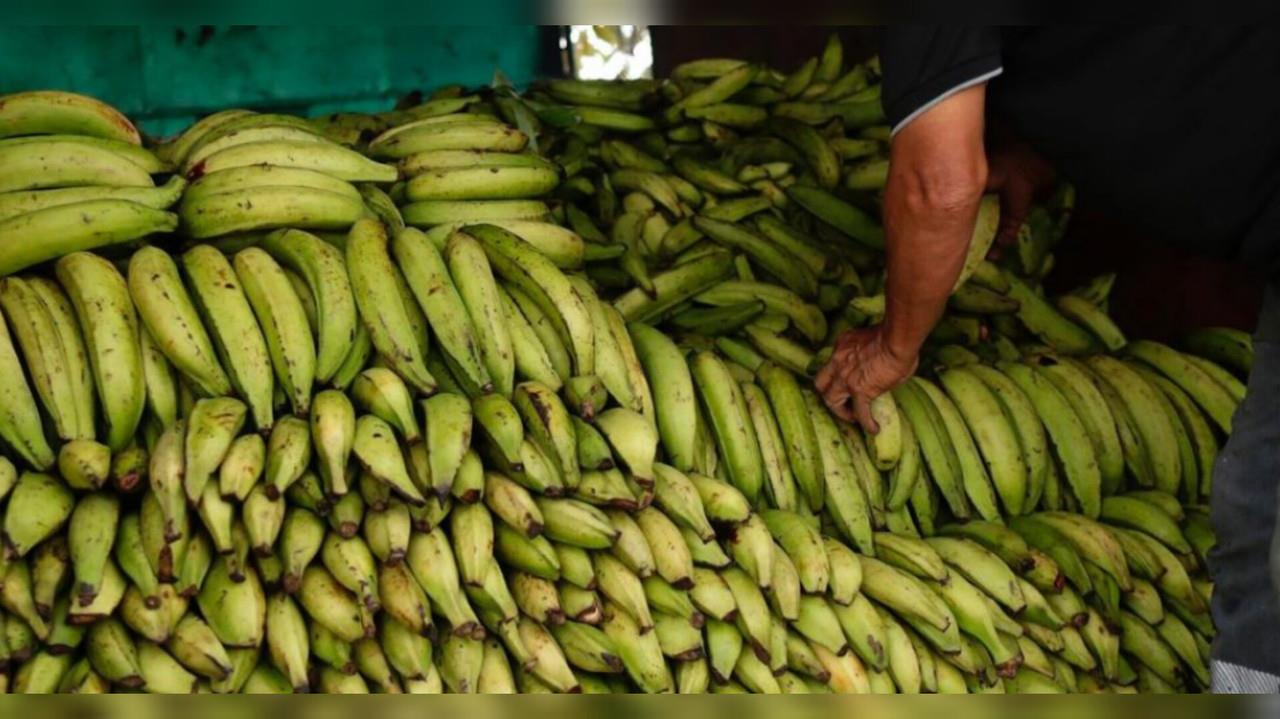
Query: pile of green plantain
[511, 392]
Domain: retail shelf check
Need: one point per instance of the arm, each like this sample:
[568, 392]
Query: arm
[937, 174]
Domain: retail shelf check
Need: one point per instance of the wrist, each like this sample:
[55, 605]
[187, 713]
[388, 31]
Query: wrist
[901, 350]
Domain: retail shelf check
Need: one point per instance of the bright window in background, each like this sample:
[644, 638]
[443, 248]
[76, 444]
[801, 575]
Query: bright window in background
[611, 52]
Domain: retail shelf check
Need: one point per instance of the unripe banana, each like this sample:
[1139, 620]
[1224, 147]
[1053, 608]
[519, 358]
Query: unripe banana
[81, 678]
[20, 423]
[329, 603]
[372, 663]
[724, 647]
[493, 182]
[218, 294]
[802, 659]
[78, 376]
[50, 568]
[346, 514]
[448, 429]
[478, 290]
[48, 359]
[404, 599]
[91, 534]
[444, 307]
[333, 428]
[537, 599]
[576, 523]
[586, 396]
[206, 215]
[266, 680]
[283, 320]
[640, 651]
[431, 561]
[712, 596]
[753, 618]
[846, 501]
[588, 648]
[678, 497]
[329, 648]
[500, 424]
[672, 558]
[493, 598]
[243, 132]
[722, 502]
[262, 518]
[610, 488]
[329, 158]
[241, 466]
[548, 423]
[634, 441]
[211, 428]
[52, 111]
[66, 160]
[256, 177]
[351, 563]
[84, 464]
[17, 597]
[379, 453]
[129, 467]
[408, 653]
[155, 624]
[172, 321]
[912, 555]
[163, 555]
[113, 654]
[804, 546]
[624, 589]
[376, 283]
[288, 455]
[513, 504]
[37, 508]
[471, 529]
[380, 391]
[235, 610]
[196, 647]
[631, 548]
[905, 595]
[287, 640]
[324, 271]
[580, 605]
[110, 592]
[450, 132]
[162, 673]
[534, 471]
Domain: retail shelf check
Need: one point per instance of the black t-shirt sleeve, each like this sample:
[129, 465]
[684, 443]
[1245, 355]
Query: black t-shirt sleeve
[924, 63]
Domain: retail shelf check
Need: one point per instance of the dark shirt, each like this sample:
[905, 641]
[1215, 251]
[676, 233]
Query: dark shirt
[1173, 128]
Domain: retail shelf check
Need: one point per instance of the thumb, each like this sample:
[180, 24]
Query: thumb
[862, 411]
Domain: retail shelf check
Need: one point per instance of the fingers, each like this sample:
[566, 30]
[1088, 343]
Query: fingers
[862, 412]
[826, 376]
[1015, 202]
[837, 400]
[842, 360]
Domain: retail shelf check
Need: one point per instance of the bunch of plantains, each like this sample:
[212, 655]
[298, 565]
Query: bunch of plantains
[511, 392]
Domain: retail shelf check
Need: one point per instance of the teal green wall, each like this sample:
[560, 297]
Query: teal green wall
[165, 76]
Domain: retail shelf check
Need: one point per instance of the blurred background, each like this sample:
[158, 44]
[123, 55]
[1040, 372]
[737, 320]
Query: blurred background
[167, 76]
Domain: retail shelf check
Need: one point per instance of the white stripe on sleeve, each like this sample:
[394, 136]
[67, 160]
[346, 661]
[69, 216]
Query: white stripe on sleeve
[964, 85]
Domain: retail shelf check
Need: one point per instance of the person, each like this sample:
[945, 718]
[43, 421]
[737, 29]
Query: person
[1171, 128]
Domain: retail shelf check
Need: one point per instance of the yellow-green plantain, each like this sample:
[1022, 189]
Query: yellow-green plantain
[284, 326]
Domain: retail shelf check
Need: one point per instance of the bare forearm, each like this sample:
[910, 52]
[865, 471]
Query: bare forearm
[937, 173]
[926, 251]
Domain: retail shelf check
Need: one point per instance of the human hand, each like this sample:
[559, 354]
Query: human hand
[862, 367]
[1018, 175]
